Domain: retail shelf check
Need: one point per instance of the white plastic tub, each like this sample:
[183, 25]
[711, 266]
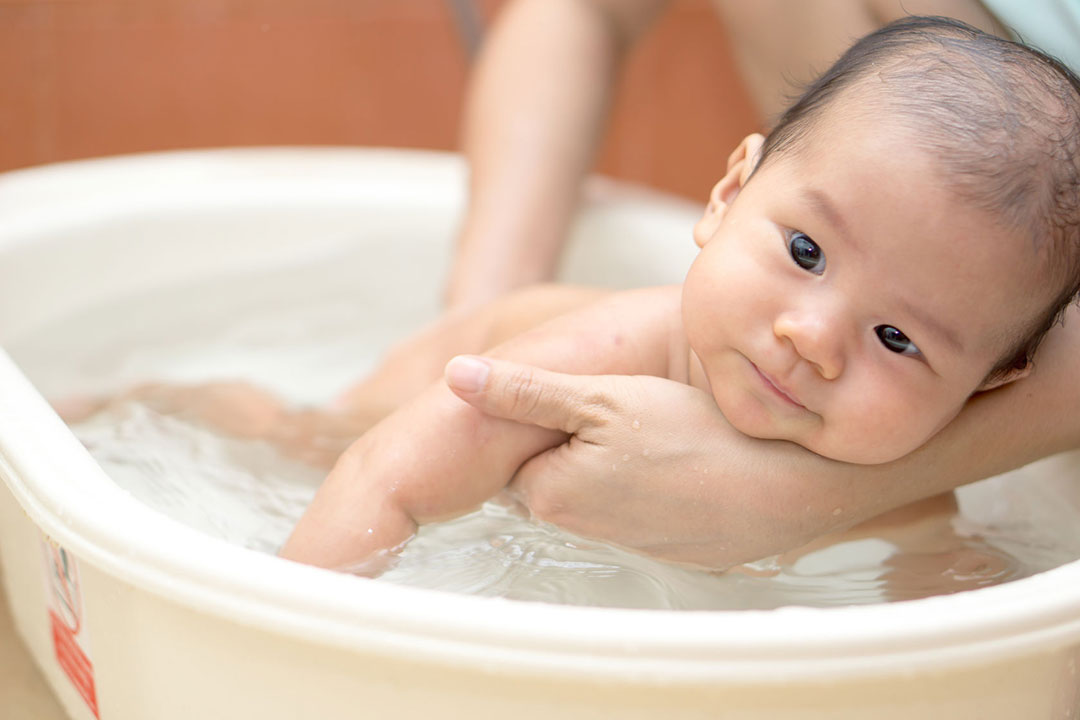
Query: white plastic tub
[155, 620]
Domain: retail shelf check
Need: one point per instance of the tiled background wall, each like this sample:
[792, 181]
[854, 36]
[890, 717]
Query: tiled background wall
[83, 78]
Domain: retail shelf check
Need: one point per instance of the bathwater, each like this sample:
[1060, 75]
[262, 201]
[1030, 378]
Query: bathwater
[303, 334]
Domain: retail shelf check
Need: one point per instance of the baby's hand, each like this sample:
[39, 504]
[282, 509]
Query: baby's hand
[355, 523]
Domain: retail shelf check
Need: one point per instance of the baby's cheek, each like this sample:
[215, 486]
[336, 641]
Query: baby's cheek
[881, 425]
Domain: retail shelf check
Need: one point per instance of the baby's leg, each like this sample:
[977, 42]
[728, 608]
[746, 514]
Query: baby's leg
[236, 409]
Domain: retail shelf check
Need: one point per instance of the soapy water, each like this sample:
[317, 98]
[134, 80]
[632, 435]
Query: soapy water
[248, 492]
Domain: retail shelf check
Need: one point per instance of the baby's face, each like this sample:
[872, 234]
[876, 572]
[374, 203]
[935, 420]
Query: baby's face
[845, 301]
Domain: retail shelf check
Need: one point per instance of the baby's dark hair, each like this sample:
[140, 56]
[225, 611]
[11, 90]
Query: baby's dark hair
[1002, 119]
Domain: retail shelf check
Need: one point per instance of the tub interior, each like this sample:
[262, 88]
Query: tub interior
[147, 250]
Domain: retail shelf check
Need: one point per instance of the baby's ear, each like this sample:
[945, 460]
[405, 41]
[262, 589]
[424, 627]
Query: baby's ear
[741, 164]
[1004, 379]
[746, 156]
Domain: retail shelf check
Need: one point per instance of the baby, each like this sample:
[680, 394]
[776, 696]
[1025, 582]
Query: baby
[902, 240]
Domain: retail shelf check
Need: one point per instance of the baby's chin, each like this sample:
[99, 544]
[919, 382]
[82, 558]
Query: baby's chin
[834, 445]
[866, 452]
[868, 447]
[816, 433]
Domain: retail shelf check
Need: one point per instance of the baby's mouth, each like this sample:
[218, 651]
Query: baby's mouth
[777, 389]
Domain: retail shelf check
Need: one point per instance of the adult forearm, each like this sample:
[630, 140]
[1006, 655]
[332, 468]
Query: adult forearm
[780, 45]
[657, 468]
[536, 107]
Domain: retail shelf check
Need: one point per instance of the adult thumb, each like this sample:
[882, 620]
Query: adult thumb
[525, 393]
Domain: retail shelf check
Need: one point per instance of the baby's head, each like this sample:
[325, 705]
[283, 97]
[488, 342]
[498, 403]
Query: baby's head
[902, 239]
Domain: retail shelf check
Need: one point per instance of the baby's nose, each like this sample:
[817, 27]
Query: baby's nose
[816, 336]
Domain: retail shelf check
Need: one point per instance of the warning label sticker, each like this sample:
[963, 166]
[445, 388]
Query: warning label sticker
[71, 643]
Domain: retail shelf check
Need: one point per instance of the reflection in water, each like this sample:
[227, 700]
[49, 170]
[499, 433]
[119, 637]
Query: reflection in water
[245, 491]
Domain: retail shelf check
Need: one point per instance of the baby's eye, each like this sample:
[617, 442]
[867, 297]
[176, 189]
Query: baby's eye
[895, 340]
[806, 253]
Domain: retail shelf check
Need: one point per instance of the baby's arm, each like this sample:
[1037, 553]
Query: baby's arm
[416, 362]
[437, 457]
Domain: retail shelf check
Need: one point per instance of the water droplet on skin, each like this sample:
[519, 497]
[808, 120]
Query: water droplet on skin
[636, 425]
[370, 531]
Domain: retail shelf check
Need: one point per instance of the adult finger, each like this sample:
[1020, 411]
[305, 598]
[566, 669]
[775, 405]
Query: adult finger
[529, 394]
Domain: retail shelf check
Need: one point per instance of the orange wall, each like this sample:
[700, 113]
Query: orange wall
[84, 78]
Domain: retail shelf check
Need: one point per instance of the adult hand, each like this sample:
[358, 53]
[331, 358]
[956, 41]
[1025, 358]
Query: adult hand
[653, 466]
